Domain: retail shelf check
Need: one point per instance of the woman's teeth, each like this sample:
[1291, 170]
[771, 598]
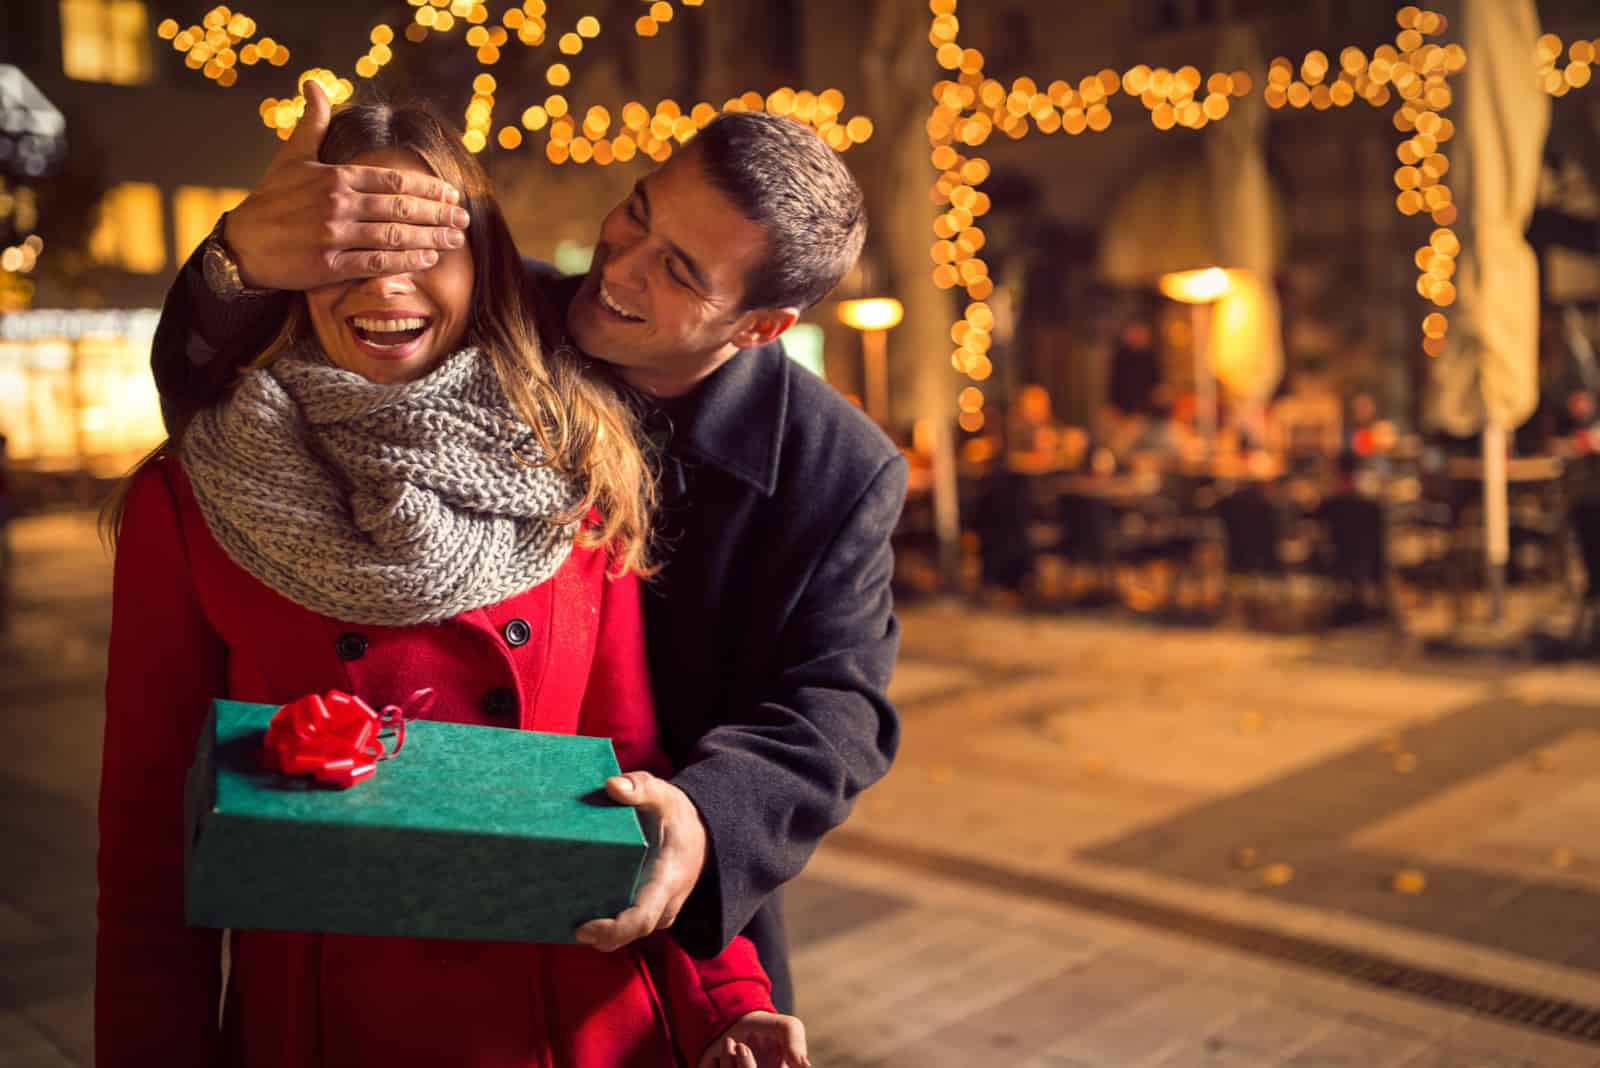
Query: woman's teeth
[380, 325]
[388, 332]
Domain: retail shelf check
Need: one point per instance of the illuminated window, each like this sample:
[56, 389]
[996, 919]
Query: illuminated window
[130, 232]
[105, 41]
[195, 209]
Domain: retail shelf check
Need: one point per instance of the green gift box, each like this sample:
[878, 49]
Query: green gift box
[469, 832]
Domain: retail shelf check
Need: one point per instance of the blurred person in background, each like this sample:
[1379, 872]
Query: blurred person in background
[1135, 369]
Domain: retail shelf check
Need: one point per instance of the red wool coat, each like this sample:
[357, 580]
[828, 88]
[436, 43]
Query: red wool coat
[566, 656]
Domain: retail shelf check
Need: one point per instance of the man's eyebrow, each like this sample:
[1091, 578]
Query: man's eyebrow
[695, 272]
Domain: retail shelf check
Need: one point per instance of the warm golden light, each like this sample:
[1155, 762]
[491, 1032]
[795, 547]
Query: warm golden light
[872, 313]
[1196, 287]
[130, 231]
[107, 41]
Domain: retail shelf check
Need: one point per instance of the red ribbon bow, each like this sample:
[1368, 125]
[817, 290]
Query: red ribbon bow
[336, 738]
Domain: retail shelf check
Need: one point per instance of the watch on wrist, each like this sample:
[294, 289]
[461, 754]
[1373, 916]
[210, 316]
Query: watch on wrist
[222, 270]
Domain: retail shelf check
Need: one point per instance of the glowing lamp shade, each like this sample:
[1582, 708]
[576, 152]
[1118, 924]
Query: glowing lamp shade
[873, 313]
[1196, 287]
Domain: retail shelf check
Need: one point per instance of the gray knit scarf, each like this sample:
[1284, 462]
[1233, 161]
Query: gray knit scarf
[379, 504]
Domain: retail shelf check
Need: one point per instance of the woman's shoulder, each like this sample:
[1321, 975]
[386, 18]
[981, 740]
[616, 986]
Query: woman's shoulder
[158, 485]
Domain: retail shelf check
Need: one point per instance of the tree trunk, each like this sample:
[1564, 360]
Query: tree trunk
[897, 69]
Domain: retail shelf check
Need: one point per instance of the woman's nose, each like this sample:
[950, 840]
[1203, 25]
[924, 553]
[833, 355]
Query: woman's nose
[389, 284]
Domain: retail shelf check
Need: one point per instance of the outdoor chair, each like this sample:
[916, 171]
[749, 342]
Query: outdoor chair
[1166, 555]
[1262, 558]
[1584, 517]
[1355, 557]
[916, 548]
[1091, 545]
[1001, 520]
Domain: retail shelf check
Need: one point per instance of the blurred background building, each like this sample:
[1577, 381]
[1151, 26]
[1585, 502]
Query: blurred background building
[118, 154]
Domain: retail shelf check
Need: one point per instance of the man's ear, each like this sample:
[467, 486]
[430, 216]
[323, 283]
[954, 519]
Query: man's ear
[763, 325]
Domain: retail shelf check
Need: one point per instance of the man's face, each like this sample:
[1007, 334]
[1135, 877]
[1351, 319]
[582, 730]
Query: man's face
[662, 299]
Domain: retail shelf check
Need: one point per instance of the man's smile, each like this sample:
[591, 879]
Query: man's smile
[609, 304]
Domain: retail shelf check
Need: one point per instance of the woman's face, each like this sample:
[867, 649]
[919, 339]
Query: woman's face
[395, 327]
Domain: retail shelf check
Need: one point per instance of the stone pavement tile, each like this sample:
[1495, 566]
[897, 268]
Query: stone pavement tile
[1543, 921]
[1348, 1044]
[1455, 901]
[1586, 957]
[1209, 1054]
[23, 1046]
[1149, 1031]
[1465, 1057]
[1270, 1030]
[1037, 1018]
[68, 1022]
[918, 680]
[54, 888]
[16, 927]
[904, 947]
[44, 971]
[906, 1007]
[815, 909]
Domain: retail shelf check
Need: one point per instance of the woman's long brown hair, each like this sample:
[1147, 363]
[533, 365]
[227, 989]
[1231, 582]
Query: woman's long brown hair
[575, 408]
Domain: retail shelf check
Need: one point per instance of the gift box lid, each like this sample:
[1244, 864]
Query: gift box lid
[468, 832]
[449, 777]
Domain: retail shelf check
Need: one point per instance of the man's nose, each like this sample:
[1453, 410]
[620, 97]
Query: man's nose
[624, 265]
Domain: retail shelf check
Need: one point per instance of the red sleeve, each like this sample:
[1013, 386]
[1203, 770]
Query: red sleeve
[706, 997]
[617, 702]
[157, 982]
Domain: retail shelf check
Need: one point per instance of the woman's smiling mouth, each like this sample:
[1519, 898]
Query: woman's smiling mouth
[389, 336]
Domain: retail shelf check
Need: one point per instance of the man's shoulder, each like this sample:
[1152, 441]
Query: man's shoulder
[816, 406]
[827, 436]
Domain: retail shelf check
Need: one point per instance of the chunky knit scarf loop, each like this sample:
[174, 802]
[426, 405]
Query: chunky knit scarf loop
[379, 504]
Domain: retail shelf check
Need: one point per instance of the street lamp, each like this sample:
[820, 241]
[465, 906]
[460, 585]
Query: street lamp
[1200, 289]
[874, 317]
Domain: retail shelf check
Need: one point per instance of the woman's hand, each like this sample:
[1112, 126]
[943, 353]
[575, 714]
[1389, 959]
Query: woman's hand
[760, 1040]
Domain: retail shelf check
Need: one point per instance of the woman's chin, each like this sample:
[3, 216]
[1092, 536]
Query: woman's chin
[389, 371]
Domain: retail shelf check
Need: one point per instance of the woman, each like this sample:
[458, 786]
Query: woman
[405, 490]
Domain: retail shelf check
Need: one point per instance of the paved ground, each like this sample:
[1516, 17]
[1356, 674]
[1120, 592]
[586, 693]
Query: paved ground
[1104, 844]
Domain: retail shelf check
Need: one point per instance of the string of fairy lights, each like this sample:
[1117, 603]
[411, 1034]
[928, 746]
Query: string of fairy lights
[968, 109]
[571, 134]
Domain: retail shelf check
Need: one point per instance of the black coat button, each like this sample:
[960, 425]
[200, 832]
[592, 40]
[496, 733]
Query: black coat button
[518, 632]
[351, 645]
[500, 703]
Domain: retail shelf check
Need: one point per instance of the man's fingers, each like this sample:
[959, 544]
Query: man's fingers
[643, 917]
[637, 788]
[406, 183]
[306, 139]
[368, 263]
[381, 236]
[610, 935]
[417, 211]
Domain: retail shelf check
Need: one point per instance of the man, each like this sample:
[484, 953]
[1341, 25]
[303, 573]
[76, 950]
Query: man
[770, 629]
